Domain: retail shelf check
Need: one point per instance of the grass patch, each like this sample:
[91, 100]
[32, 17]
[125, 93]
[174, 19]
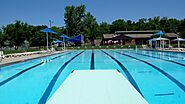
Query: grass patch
[12, 51]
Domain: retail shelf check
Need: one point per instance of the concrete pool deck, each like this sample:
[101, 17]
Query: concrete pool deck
[12, 60]
[96, 87]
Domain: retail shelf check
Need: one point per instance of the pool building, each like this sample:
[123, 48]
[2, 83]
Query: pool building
[132, 37]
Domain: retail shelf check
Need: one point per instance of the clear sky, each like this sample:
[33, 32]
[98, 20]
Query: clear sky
[37, 12]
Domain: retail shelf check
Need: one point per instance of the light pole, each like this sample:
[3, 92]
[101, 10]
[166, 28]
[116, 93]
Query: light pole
[50, 22]
[47, 40]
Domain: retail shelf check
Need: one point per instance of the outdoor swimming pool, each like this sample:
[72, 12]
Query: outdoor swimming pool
[158, 76]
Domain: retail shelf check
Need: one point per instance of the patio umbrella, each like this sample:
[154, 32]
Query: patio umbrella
[160, 33]
[178, 39]
[47, 30]
[64, 38]
[159, 39]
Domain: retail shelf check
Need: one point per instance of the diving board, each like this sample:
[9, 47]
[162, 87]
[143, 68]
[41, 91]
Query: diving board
[96, 87]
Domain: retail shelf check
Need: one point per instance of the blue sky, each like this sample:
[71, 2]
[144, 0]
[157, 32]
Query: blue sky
[38, 12]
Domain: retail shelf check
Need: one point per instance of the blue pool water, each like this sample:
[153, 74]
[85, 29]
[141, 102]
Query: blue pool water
[158, 76]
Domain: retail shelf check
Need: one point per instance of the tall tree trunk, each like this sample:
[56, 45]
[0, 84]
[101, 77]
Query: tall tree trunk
[92, 42]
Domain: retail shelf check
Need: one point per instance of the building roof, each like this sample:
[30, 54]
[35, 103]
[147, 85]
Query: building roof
[96, 87]
[135, 32]
[171, 35]
[139, 35]
[108, 36]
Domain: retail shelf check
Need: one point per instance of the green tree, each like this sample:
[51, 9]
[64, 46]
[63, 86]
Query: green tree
[151, 24]
[1, 39]
[73, 18]
[181, 28]
[56, 36]
[141, 24]
[118, 25]
[16, 33]
[103, 28]
[129, 25]
[37, 38]
[90, 27]
[163, 23]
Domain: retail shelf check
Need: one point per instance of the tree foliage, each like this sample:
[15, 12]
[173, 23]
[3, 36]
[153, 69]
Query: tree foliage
[103, 28]
[37, 38]
[118, 25]
[1, 38]
[73, 18]
[16, 33]
[90, 27]
[181, 28]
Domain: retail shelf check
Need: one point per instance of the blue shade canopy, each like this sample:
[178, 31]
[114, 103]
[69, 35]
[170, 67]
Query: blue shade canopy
[47, 30]
[77, 39]
[64, 36]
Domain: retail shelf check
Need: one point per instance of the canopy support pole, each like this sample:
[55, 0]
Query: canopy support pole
[169, 44]
[47, 41]
[64, 42]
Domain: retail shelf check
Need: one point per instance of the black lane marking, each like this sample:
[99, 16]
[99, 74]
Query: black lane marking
[165, 52]
[48, 90]
[72, 71]
[18, 74]
[159, 58]
[179, 84]
[23, 71]
[92, 60]
[129, 76]
[61, 55]
[164, 94]
[153, 52]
